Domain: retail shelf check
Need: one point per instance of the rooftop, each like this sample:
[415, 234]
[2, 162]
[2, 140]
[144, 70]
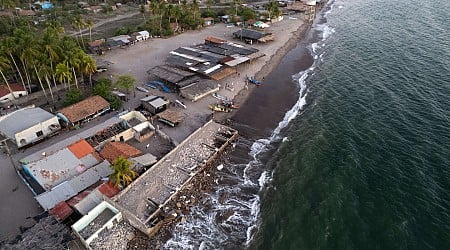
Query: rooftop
[22, 119]
[114, 150]
[81, 110]
[157, 184]
[14, 87]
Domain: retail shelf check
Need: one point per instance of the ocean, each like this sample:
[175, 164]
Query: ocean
[347, 145]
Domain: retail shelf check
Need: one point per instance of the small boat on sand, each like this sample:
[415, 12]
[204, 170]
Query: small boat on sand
[254, 81]
[219, 107]
[150, 85]
[221, 97]
[142, 89]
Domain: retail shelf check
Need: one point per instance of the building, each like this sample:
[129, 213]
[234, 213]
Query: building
[252, 36]
[114, 150]
[154, 104]
[60, 175]
[84, 111]
[6, 95]
[141, 35]
[28, 125]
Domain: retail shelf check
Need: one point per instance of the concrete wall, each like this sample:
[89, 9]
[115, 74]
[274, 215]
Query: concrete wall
[29, 135]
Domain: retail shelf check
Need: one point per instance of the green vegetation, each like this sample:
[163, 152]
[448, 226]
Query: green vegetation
[125, 82]
[73, 96]
[123, 175]
[103, 88]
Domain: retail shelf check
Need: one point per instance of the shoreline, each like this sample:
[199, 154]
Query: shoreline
[203, 184]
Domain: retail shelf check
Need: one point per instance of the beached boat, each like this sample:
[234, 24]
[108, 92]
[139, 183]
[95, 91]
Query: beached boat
[219, 107]
[162, 85]
[254, 81]
[150, 85]
[142, 89]
[221, 97]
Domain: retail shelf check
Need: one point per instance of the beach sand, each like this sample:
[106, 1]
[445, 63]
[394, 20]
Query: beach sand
[136, 60]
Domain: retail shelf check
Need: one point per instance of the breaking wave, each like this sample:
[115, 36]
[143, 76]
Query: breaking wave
[218, 222]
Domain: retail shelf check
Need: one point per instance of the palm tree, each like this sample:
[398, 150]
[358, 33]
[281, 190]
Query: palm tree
[63, 74]
[123, 175]
[90, 24]
[88, 66]
[4, 63]
[79, 23]
[45, 72]
[9, 47]
[51, 48]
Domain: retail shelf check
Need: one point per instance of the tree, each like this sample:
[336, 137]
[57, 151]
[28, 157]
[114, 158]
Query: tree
[273, 10]
[90, 24]
[4, 63]
[73, 96]
[103, 88]
[62, 73]
[248, 14]
[142, 10]
[123, 175]
[125, 82]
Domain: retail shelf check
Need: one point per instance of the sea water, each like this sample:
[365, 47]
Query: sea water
[360, 159]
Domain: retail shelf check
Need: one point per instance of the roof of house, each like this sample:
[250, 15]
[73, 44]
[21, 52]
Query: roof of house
[214, 40]
[96, 43]
[114, 150]
[22, 119]
[170, 74]
[81, 148]
[251, 34]
[73, 186]
[57, 167]
[14, 87]
[80, 110]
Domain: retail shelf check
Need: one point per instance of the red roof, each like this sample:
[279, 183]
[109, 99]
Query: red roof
[81, 110]
[61, 211]
[108, 189]
[114, 150]
[14, 87]
[81, 148]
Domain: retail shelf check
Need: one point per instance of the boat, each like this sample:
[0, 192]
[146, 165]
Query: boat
[162, 85]
[150, 85]
[254, 81]
[181, 104]
[142, 89]
[221, 97]
[219, 107]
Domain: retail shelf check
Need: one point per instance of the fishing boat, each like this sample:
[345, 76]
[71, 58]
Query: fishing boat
[254, 81]
[162, 85]
[219, 107]
[142, 89]
[221, 97]
[150, 85]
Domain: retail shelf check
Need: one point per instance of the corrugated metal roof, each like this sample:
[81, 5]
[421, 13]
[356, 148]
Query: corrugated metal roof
[145, 160]
[70, 188]
[22, 119]
[158, 102]
[55, 168]
[81, 148]
[64, 143]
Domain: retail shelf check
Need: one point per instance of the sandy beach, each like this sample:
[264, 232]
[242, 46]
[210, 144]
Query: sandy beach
[136, 60]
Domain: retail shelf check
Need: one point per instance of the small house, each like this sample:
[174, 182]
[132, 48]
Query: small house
[208, 21]
[154, 104]
[84, 111]
[28, 125]
[141, 35]
[17, 91]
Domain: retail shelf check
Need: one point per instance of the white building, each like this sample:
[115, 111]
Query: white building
[28, 125]
[6, 96]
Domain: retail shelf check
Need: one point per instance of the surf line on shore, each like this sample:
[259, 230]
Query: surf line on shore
[261, 146]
